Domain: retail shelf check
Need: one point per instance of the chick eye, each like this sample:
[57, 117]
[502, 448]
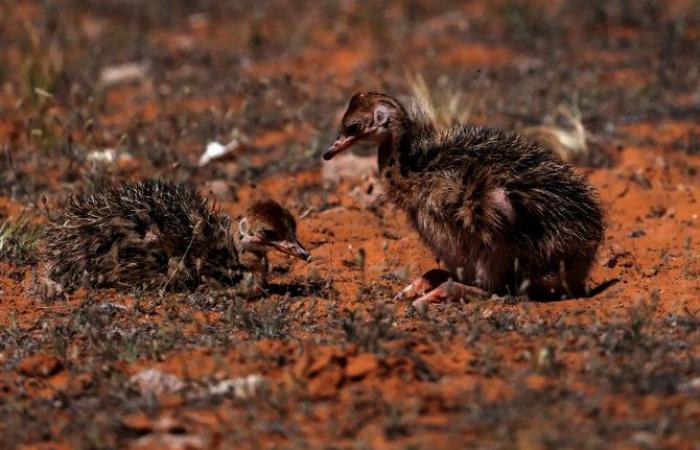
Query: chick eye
[352, 129]
[268, 234]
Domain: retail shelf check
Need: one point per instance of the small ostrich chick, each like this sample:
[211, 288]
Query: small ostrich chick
[502, 213]
[163, 235]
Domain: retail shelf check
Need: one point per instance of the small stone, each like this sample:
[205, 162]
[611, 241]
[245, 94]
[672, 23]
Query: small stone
[126, 161]
[40, 365]
[642, 180]
[47, 289]
[313, 362]
[637, 233]
[361, 365]
[650, 272]
[326, 383]
[645, 439]
[142, 423]
[105, 156]
[656, 212]
[60, 382]
[536, 382]
[690, 387]
[170, 441]
[170, 400]
[487, 313]
[454, 389]
[123, 73]
[215, 150]
[156, 382]
[546, 357]
[242, 388]
[138, 422]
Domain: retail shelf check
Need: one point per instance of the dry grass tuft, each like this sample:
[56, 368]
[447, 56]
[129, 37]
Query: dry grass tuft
[45, 58]
[19, 239]
[446, 105]
[566, 136]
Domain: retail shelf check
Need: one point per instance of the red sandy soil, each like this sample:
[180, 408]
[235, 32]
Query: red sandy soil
[350, 367]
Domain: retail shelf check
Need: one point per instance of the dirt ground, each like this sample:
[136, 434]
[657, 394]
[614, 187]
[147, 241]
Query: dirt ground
[328, 359]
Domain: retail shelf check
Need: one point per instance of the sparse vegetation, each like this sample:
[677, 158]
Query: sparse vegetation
[608, 84]
[19, 239]
[264, 319]
[566, 136]
[369, 333]
[446, 103]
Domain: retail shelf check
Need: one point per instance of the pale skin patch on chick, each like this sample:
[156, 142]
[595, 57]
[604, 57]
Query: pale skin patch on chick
[499, 198]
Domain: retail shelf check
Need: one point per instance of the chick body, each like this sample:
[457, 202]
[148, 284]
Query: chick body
[501, 212]
[157, 234]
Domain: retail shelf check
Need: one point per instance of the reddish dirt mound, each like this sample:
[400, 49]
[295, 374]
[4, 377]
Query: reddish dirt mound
[327, 359]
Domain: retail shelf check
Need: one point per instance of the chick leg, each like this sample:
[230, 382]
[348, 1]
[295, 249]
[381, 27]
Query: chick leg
[452, 291]
[424, 284]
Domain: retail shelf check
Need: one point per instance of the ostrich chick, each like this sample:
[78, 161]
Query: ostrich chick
[163, 235]
[502, 213]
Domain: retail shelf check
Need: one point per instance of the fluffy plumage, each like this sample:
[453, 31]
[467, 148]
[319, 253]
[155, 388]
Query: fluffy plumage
[158, 235]
[503, 214]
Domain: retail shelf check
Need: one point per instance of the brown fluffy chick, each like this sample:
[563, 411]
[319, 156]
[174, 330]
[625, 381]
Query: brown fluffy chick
[163, 235]
[502, 213]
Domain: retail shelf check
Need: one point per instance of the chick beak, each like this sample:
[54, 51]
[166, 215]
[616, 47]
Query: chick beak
[293, 248]
[340, 144]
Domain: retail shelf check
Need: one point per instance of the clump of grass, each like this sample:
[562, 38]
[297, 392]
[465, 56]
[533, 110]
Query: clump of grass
[15, 181]
[398, 423]
[19, 240]
[44, 63]
[640, 317]
[525, 21]
[565, 135]
[445, 106]
[369, 334]
[264, 319]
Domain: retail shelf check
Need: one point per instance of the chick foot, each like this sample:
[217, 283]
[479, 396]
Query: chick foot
[450, 291]
[424, 284]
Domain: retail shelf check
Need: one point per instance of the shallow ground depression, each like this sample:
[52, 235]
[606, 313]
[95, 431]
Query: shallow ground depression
[97, 93]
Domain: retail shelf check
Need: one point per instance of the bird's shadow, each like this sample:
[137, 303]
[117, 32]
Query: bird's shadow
[300, 289]
[590, 293]
[602, 287]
